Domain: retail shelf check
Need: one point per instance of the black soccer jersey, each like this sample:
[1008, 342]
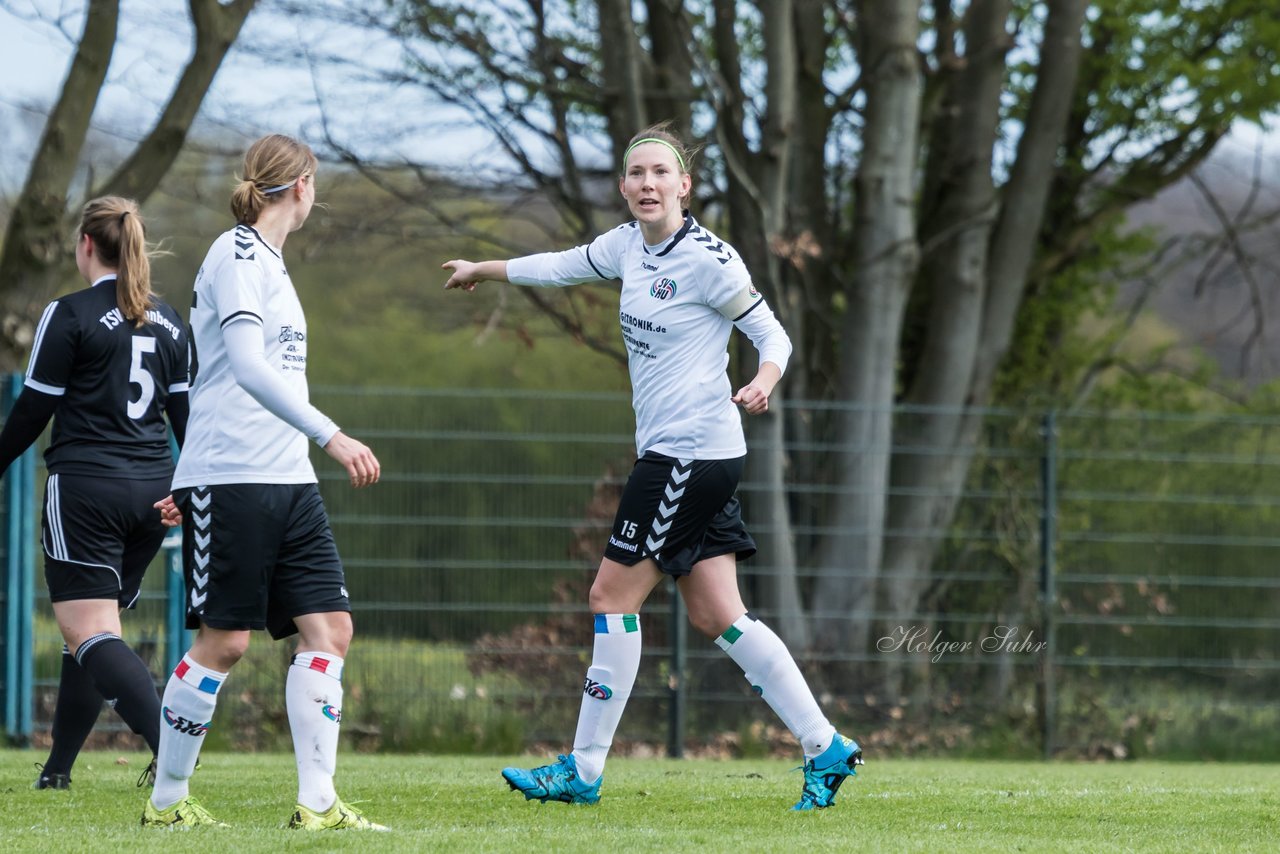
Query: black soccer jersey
[114, 380]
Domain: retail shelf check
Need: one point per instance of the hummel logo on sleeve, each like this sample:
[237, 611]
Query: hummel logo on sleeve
[244, 244]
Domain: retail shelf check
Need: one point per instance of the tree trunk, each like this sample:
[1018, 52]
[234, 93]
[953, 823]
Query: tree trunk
[768, 466]
[35, 242]
[758, 193]
[885, 256]
[621, 59]
[957, 222]
[812, 249]
[1014, 241]
[1011, 248]
[672, 94]
[34, 263]
[216, 28]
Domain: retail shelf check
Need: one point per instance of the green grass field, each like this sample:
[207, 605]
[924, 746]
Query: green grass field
[448, 803]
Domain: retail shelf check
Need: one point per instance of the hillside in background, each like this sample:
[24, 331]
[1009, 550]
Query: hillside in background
[1225, 300]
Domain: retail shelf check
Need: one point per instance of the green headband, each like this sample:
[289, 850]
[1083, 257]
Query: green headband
[679, 159]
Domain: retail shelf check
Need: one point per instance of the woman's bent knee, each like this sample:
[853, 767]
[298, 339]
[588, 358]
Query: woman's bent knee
[709, 625]
[329, 633]
[219, 650]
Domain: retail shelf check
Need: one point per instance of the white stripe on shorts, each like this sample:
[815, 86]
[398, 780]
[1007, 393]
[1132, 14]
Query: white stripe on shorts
[56, 548]
[53, 511]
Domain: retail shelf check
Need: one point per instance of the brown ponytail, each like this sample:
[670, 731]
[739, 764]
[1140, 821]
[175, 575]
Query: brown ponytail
[120, 239]
[272, 165]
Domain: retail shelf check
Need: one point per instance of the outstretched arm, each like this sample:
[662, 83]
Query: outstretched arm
[467, 274]
[587, 263]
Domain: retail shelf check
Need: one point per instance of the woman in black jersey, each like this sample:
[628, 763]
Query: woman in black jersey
[107, 363]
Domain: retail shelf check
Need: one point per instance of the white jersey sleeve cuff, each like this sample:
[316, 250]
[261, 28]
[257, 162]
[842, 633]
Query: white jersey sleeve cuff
[47, 389]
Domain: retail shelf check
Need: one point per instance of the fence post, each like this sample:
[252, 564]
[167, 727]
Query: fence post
[19, 588]
[678, 696]
[1048, 594]
[176, 637]
[175, 611]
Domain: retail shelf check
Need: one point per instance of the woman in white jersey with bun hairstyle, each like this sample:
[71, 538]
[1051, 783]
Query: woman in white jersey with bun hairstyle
[683, 291]
[257, 546]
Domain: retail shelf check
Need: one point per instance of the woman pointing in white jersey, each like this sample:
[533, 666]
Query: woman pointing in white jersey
[683, 290]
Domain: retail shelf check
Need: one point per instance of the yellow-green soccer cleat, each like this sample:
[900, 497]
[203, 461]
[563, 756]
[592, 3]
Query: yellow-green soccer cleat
[182, 815]
[340, 816]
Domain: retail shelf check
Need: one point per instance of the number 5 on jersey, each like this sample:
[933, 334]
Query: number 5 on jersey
[141, 377]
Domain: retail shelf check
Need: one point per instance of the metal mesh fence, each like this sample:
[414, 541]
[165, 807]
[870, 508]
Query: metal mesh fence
[1153, 599]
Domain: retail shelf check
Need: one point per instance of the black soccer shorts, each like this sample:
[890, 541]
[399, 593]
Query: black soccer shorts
[256, 555]
[679, 512]
[99, 535]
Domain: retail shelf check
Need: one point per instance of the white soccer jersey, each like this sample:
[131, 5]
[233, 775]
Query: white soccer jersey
[678, 304]
[231, 437]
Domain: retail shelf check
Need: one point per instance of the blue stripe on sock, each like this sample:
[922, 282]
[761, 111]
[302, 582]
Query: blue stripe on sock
[209, 685]
[602, 624]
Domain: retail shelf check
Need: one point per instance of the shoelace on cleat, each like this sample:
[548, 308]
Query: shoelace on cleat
[148, 775]
[195, 810]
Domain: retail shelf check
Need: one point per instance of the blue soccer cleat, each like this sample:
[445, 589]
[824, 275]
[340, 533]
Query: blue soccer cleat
[824, 773]
[555, 782]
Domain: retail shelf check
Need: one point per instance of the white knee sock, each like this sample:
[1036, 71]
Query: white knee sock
[313, 697]
[615, 658]
[185, 713]
[773, 674]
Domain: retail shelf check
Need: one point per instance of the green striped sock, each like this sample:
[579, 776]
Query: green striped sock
[727, 639]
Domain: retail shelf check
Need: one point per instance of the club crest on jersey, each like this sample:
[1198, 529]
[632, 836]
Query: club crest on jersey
[663, 288]
[595, 689]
